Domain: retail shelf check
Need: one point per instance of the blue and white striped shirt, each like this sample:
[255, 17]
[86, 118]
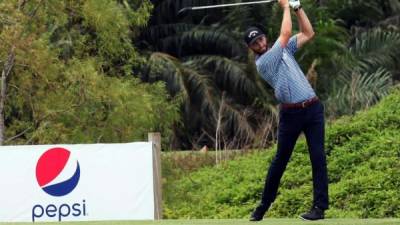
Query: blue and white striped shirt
[279, 68]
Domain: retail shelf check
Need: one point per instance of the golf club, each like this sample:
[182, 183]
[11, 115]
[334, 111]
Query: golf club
[182, 11]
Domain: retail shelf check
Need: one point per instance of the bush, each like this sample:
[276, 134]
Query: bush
[363, 164]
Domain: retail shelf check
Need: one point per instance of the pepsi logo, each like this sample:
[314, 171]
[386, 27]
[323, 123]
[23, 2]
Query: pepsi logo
[56, 173]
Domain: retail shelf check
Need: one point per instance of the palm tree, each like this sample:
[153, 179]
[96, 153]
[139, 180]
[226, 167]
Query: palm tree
[368, 71]
[371, 64]
[207, 67]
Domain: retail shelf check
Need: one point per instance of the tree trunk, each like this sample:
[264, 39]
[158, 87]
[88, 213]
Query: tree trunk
[8, 65]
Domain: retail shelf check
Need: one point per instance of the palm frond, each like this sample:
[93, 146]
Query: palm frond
[202, 42]
[167, 68]
[360, 90]
[392, 22]
[238, 19]
[203, 93]
[154, 33]
[377, 48]
[363, 13]
[229, 76]
[237, 125]
[394, 6]
[165, 11]
[330, 39]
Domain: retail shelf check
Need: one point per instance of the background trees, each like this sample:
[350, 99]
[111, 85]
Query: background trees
[77, 71]
[371, 65]
[201, 59]
[71, 78]
[352, 63]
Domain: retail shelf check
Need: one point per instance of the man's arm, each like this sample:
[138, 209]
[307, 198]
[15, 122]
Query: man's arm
[286, 27]
[306, 29]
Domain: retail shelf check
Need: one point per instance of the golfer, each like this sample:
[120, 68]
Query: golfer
[300, 108]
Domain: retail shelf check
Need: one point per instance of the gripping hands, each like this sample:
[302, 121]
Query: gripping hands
[295, 4]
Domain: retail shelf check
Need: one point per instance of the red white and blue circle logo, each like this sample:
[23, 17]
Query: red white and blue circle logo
[56, 173]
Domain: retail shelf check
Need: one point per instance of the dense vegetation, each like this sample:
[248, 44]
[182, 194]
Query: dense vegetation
[363, 164]
[113, 70]
[87, 71]
[202, 58]
[67, 72]
[90, 71]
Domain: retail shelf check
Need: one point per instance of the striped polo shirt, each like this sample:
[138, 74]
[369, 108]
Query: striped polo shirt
[279, 68]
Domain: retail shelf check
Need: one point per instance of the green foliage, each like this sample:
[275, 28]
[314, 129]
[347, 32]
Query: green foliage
[377, 47]
[101, 16]
[201, 58]
[204, 60]
[88, 107]
[359, 90]
[110, 24]
[351, 61]
[362, 13]
[181, 163]
[326, 49]
[367, 73]
[363, 166]
[70, 80]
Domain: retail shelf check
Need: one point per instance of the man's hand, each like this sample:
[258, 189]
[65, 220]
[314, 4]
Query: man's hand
[295, 4]
[283, 3]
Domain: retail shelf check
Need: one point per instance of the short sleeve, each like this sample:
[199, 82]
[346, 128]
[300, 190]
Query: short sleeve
[269, 61]
[292, 45]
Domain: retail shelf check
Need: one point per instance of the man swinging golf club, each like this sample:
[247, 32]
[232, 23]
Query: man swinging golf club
[300, 109]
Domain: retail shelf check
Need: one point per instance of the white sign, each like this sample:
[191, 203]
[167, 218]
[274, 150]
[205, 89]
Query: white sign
[76, 182]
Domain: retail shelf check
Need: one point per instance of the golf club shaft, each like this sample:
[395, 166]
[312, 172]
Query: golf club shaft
[228, 5]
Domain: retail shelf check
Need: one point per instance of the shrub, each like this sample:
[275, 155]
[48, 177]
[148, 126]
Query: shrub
[363, 164]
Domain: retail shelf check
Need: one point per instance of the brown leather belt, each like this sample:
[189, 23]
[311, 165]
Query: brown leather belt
[300, 105]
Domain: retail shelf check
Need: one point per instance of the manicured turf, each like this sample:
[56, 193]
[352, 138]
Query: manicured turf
[235, 222]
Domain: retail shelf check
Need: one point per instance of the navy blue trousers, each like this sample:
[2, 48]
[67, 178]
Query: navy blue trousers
[292, 122]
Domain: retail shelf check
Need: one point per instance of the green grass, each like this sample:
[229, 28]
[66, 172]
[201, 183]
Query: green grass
[363, 167]
[235, 222]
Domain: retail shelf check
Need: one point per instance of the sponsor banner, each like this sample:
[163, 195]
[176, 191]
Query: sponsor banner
[76, 182]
